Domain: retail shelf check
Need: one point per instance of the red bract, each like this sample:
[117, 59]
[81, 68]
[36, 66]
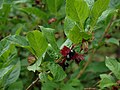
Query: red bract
[65, 51]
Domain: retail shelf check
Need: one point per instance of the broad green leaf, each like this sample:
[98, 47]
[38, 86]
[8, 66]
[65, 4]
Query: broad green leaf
[77, 10]
[43, 77]
[6, 50]
[35, 66]
[37, 42]
[113, 65]
[97, 67]
[57, 71]
[68, 25]
[16, 86]
[13, 76]
[98, 8]
[76, 36]
[54, 5]
[106, 81]
[49, 34]
[35, 11]
[4, 71]
[113, 41]
[49, 85]
[18, 40]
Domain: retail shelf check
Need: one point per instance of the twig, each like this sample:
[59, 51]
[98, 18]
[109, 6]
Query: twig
[94, 50]
[32, 84]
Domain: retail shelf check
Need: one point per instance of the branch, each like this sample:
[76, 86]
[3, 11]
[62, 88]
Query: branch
[32, 84]
[94, 50]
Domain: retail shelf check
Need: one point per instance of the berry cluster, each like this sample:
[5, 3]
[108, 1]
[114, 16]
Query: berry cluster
[69, 54]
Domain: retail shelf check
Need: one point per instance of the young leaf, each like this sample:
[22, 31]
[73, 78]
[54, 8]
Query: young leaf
[54, 5]
[57, 71]
[49, 34]
[77, 10]
[113, 65]
[106, 81]
[38, 42]
[98, 8]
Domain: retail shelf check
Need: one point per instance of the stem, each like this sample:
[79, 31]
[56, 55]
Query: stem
[32, 84]
[94, 50]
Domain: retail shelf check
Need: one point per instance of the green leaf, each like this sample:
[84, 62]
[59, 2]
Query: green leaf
[97, 67]
[35, 11]
[54, 5]
[90, 3]
[49, 85]
[5, 70]
[113, 65]
[18, 40]
[16, 86]
[106, 81]
[6, 50]
[76, 36]
[68, 25]
[77, 10]
[38, 42]
[49, 34]
[114, 4]
[57, 71]
[35, 66]
[98, 8]
[13, 76]
[113, 41]
[105, 14]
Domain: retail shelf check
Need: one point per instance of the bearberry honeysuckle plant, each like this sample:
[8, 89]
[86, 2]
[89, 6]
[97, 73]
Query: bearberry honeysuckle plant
[59, 44]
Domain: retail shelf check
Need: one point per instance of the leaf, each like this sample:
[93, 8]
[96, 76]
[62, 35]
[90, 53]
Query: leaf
[68, 25]
[49, 85]
[114, 3]
[18, 40]
[76, 36]
[90, 3]
[38, 42]
[35, 66]
[54, 5]
[77, 10]
[49, 34]
[13, 76]
[57, 71]
[98, 8]
[5, 70]
[113, 65]
[35, 11]
[113, 41]
[16, 86]
[106, 81]
[97, 67]
[105, 14]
